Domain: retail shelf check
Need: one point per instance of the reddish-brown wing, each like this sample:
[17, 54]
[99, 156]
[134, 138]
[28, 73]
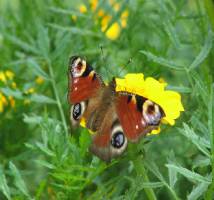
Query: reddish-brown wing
[137, 115]
[83, 80]
[109, 140]
[126, 118]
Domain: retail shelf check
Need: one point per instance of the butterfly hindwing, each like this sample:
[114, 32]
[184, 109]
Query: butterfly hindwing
[137, 115]
[127, 118]
[109, 140]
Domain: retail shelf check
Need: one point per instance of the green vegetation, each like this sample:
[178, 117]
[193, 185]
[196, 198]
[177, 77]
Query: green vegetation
[42, 157]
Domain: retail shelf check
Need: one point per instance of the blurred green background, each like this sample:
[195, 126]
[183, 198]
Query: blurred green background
[42, 157]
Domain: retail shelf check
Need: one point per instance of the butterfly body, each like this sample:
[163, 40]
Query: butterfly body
[114, 117]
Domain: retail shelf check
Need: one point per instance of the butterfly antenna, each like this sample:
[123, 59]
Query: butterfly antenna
[102, 54]
[125, 66]
[104, 60]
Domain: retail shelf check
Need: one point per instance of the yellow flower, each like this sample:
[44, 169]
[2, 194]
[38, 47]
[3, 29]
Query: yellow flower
[152, 89]
[74, 18]
[105, 21]
[82, 8]
[115, 28]
[39, 80]
[101, 13]
[116, 7]
[13, 85]
[94, 4]
[3, 77]
[123, 18]
[113, 32]
[9, 74]
[12, 101]
[156, 131]
[111, 2]
[3, 102]
[1, 106]
[30, 91]
[27, 102]
[83, 124]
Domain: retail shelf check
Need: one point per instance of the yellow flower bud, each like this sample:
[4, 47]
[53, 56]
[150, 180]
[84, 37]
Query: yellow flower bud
[9, 74]
[3, 77]
[113, 32]
[13, 85]
[30, 91]
[12, 101]
[94, 4]
[82, 8]
[39, 80]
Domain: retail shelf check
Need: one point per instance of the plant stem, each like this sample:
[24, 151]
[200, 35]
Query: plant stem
[172, 192]
[209, 6]
[210, 191]
[142, 172]
[58, 101]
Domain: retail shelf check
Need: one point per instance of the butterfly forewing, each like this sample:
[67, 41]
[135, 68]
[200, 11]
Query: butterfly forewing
[84, 84]
[83, 80]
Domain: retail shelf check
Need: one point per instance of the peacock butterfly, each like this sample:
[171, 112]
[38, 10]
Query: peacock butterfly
[114, 117]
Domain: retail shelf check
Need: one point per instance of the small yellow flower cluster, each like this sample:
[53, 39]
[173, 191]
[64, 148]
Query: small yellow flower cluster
[39, 80]
[111, 29]
[169, 101]
[6, 78]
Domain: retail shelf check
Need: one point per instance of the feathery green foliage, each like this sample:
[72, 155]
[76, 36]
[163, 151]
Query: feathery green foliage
[42, 157]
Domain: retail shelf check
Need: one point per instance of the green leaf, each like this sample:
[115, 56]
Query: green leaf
[200, 87]
[23, 45]
[200, 124]
[45, 164]
[43, 41]
[10, 92]
[162, 61]
[198, 191]
[19, 182]
[151, 166]
[36, 68]
[172, 173]
[75, 30]
[189, 174]
[139, 181]
[170, 30]
[30, 146]
[210, 119]
[63, 40]
[84, 141]
[45, 149]
[200, 142]
[204, 51]
[180, 89]
[201, 161]
[3, 185]
[66, 12]
[39, 98]
[35, 119]
[40, 189]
